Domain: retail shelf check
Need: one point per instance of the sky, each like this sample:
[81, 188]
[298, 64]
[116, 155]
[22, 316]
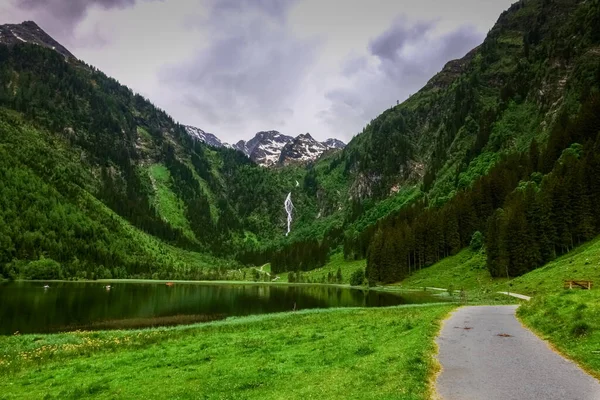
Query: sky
[236, 67]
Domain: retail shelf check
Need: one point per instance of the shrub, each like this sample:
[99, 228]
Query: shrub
[43, 269]
[358, 277]
[476, 241]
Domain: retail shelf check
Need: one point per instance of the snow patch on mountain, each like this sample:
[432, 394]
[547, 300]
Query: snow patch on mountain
[205, 137]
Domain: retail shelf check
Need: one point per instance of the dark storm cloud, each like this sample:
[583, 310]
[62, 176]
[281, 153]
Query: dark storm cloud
[402, 60]
[251, 69]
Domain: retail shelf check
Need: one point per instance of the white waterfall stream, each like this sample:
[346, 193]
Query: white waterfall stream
[289, 208]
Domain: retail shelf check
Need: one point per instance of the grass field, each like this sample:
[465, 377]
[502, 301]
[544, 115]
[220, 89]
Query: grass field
[336, 353]
[570, 320]
[336, 261]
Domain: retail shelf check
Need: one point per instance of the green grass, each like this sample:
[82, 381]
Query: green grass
[169, 206]
[569, 320]
[583, 263]
[336, 353]
[467, 270]
[336, 261]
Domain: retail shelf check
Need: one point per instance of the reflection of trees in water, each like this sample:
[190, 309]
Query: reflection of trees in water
[28, 308]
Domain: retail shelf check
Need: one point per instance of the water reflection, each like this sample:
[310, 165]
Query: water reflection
[29, 307]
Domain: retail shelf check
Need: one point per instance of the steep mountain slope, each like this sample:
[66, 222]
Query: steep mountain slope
[126, 157]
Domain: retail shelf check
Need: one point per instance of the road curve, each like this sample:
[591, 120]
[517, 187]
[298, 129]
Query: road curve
[486, 354]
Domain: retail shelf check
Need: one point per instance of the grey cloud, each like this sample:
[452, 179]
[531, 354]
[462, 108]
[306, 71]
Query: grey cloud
[354, 65]
[389, 44]
[405, 58]
[251, 70]
[61, 16]
[274, 8]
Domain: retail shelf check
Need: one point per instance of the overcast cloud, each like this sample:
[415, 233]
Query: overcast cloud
[234, 67]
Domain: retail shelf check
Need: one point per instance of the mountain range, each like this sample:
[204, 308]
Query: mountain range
[502, 142]
[271, 148]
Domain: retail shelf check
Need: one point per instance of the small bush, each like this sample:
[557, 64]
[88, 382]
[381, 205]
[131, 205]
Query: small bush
[358, 277]
[580, 329]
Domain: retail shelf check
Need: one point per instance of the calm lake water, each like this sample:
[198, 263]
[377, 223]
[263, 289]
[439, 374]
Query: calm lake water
[27, 307]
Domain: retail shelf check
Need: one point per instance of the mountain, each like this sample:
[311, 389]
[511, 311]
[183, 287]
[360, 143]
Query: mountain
[301, 150]
[271, 148]
[333, 143]
[501, 147]
[205, 137]
[264, 148]
[29, 32]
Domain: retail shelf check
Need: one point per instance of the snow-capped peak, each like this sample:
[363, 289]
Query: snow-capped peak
[271, 148]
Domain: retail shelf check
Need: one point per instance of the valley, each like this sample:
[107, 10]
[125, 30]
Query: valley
[248, 270]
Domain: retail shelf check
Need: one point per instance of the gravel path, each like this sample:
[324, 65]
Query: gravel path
[486, 354]
[518, 296]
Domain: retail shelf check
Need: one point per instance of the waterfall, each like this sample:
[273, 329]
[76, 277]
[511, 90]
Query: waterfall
[289, 207]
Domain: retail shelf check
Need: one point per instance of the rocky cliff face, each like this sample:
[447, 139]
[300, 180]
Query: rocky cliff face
[30, 32]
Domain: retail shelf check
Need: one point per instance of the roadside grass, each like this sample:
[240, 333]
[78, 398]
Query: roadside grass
[570, 320]
[335, 353]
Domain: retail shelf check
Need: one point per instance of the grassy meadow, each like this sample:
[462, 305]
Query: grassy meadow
[335, 353]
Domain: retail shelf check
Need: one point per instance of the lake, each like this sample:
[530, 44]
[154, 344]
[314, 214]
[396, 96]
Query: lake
[27, 307]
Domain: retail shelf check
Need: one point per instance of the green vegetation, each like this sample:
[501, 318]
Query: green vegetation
[168, 205]
[466, 270]
[582, 263]
[569, 320]
[366, 354]
[327, 273]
